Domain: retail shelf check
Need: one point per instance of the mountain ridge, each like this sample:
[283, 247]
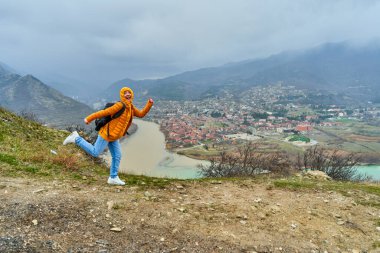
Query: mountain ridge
[27, 94]
[331, 66]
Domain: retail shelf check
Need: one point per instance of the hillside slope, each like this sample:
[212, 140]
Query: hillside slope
[61, 203]
[30, 95]
[27, 149]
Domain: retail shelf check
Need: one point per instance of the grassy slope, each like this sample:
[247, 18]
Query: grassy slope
[25, 151]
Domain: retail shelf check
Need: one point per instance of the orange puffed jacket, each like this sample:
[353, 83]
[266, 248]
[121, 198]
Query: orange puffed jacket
[118, 127]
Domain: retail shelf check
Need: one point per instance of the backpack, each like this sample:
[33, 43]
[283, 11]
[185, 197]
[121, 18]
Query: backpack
[99, 123]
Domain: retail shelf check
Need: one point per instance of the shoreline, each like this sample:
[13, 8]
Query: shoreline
[177, 151]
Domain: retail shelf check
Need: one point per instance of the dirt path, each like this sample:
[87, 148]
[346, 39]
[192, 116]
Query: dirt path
[38, 216]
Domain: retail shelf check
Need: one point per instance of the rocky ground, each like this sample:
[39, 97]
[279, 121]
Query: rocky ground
[184, 216]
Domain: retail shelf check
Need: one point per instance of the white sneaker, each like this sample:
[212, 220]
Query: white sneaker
[115, 181]
[71, 138]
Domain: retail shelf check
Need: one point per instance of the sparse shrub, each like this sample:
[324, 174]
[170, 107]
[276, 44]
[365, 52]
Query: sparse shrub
[336, 164]
[69, 162]
[38, 158]
[247, 161]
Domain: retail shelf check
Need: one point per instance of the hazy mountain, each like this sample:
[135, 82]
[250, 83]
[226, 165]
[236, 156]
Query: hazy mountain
[333, 67]
[70, 87]
[28, 94]
[2, 71]
[5, 69]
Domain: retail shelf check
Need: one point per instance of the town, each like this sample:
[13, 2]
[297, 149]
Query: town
[274, 112]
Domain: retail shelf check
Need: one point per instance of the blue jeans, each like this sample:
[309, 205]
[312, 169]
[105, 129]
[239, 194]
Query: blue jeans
[98, 147]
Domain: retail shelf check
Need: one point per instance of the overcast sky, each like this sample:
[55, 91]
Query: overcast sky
[99, 42]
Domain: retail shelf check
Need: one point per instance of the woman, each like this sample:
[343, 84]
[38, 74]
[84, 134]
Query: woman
[110, 134]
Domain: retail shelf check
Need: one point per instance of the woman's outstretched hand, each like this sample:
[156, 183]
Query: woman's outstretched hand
[85, 121]
[150, 100]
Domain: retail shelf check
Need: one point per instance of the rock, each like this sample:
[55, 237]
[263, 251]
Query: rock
[53, 152]
[197, 214]
[378, 229]
[116, 229]
[242, 216]
[181, 209]
[162, 239]
[39, 191]
[341, 222]
[102, 242]
[275, 209]
[84, 178]
[262, 216]
[257, 200]
[179, 187]
[108, 216]
[316, 174]
[35, 222]
[216, 182]
[147, 194]
[336, 215]
[356, 251]
[110, 204]
[243, 222]
[172, 200]
[294, 226]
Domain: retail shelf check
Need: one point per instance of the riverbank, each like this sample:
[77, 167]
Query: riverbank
[145, 153]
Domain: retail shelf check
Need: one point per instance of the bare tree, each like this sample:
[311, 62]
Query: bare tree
[334, 163]
[245, 162]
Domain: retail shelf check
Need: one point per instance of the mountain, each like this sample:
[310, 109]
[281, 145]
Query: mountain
[5, 69]
[27, 94]
[332, 67]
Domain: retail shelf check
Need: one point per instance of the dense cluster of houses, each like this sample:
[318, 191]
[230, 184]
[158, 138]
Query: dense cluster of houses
[258, 112]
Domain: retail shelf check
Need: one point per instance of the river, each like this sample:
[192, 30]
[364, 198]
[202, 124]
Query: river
[144, 153]
[370, 170]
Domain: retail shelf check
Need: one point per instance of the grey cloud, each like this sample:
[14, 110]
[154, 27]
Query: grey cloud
[98, 42]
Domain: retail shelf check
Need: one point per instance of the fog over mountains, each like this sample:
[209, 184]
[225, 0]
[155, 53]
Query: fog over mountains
[335, 68]
[331, 67]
